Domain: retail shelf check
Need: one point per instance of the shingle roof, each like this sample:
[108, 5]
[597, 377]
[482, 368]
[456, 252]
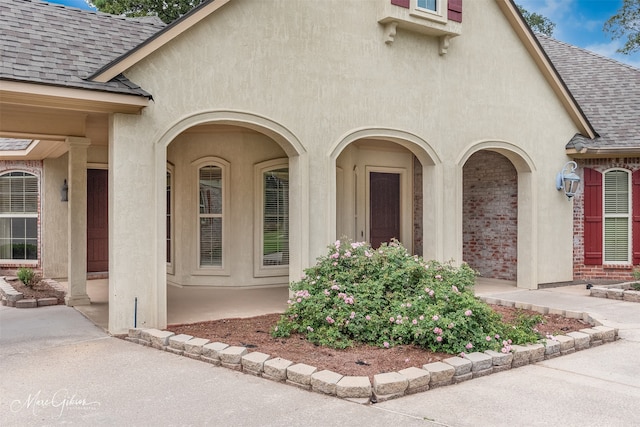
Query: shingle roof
[61, 46]
[9, 144]
[608, 92]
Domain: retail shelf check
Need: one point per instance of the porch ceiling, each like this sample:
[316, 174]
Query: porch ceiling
[46, 129]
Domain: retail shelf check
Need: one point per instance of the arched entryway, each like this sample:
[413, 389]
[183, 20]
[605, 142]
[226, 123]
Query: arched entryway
[232, 185]
[499, 225]
[380, 175]
[490, 215]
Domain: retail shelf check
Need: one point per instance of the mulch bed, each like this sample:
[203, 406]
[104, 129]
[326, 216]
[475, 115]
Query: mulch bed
[40, 290]
[360, 360]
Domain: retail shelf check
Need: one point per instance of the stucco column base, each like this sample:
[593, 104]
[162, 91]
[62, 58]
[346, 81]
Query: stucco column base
[72, 301]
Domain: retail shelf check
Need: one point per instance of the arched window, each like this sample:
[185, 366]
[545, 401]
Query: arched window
[272, 218]
[170, 219]
[18, 216]
[213, 182]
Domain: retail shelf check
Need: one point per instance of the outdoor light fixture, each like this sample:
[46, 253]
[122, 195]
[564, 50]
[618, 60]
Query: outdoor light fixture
[64, 192]
[567, 180]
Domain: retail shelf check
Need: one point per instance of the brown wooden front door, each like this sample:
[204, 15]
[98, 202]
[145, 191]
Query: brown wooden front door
[97, 220]
[384, 196]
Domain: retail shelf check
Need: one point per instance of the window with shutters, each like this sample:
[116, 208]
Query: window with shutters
[19, 217]
[440, 18]
[212, 179]
[616, 219]
[272, 218]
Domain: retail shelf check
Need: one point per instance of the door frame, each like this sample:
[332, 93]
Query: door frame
[105, 167]
[406, 211]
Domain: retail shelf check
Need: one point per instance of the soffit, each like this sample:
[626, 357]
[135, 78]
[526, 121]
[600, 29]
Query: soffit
[39, 95]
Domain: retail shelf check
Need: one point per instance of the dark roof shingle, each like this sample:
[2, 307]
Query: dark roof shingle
[608, 92]
[57, 45]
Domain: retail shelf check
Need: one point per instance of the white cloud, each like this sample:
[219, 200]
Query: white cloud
[610, 51]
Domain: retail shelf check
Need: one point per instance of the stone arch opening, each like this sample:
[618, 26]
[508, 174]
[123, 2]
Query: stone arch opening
[499, 225]
[382, 178]
[490, 215]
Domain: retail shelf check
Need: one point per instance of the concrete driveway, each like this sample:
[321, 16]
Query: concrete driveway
[58, 368]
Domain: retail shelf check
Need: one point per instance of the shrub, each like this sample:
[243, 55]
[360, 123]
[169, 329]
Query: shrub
[27, 276]
[387, 297]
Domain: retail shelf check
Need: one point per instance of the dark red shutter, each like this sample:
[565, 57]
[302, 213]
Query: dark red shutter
[402, 3]
[592, 217]
[455, 10]
[635, 215]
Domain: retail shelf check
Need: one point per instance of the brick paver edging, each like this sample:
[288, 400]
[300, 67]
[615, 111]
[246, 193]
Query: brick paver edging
[12, 298]
[620, 291]
[388, 385]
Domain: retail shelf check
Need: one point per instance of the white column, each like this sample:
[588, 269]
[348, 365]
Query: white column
[77, 221]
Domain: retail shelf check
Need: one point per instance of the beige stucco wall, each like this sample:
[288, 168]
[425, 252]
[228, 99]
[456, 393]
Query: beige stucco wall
[54, 219]
[242, 150]
[55, 212]
[315, 73]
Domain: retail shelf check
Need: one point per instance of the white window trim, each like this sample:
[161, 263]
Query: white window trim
[223, 270]
[260, 270]
[25, 262]
[628, 215]
[172, 185]
[439, 15]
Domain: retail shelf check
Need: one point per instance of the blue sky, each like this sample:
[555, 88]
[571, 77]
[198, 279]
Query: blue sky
[578, 22]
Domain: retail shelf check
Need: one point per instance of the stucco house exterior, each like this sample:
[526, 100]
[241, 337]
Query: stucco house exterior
[230, 147]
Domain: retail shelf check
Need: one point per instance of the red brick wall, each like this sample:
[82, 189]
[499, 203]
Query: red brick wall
[490, 215]
[596, 272]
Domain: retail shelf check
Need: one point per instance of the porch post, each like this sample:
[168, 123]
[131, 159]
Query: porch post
[77, 221]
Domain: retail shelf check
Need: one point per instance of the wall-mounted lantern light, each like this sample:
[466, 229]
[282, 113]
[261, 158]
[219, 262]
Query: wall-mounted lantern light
[64, 192]
[567, 180]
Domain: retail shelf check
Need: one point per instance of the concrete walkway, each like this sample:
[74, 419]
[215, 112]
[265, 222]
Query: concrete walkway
[194, 304]
[58, 368]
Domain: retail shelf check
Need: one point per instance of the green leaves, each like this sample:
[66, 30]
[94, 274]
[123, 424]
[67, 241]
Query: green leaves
[538, 23]
[166, 11]
[626, 23]
[388, 297]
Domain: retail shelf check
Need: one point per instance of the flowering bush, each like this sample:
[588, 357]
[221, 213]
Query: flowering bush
[387, 297]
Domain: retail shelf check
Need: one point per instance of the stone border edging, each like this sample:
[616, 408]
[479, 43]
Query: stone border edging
[388, 385]
[620, 291]
[12, 298]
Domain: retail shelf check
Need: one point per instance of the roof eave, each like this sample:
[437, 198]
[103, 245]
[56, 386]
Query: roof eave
[602, 152]
[159, 39]
[65, 98]
[541, 59]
